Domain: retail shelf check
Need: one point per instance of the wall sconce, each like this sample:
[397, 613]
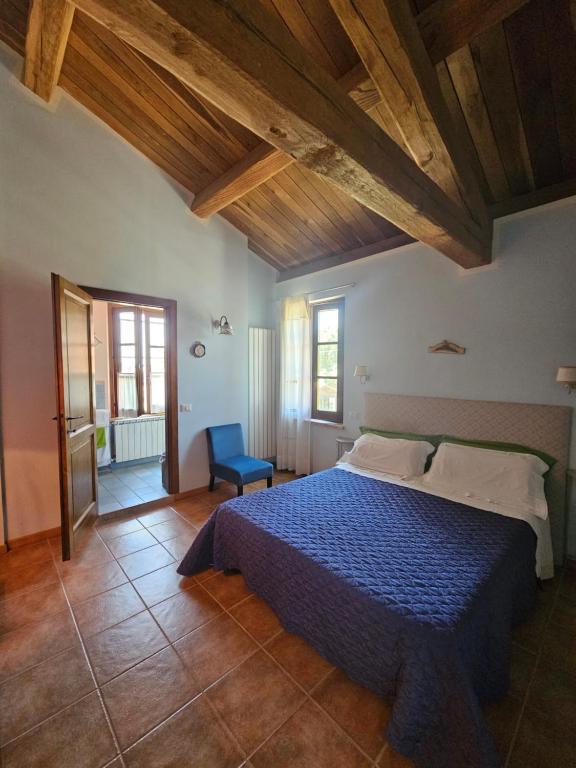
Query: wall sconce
[361, 371]
[223, 326]
[567, 375]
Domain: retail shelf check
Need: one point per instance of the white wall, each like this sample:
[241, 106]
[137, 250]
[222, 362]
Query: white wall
[516, 317]
[77, 200]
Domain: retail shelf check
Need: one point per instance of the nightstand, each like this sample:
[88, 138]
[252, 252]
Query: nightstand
[344, 444]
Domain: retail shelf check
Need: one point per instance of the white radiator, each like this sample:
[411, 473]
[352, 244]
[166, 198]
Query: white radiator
[139, 438]
[262, 392]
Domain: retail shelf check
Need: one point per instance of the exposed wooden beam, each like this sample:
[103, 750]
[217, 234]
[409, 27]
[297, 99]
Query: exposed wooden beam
[337, 259]
[386, 36]
[265, 161]
[444, 29]
[448, 25]
[245, 62]
[49, 23]
[533, 199]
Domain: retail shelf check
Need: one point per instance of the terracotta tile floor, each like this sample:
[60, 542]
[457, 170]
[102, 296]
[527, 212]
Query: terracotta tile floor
[114, 660]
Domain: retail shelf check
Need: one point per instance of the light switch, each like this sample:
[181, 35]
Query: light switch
[185, 407]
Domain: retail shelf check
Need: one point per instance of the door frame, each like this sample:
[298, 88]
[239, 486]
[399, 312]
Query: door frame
[170, 308]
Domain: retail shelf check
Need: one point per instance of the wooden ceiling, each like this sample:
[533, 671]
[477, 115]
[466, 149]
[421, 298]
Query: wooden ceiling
[502, 97]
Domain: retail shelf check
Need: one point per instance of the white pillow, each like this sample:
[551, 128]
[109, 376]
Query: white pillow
[390, 455]
[498, 477]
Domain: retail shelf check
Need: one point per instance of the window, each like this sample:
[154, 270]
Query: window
[137, 366]
[327, 360]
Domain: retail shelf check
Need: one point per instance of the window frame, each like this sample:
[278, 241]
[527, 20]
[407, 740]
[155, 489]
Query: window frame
[336, 416]
[114, 311]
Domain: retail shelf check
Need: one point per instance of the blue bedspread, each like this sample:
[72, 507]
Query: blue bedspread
[411, 595]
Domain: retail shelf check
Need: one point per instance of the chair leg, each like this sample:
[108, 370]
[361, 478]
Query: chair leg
[240, 490]
[268, 482]
[211, 485]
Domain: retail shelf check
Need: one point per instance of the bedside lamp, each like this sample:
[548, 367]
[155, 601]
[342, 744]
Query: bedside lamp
[567, 375]
[361, 371]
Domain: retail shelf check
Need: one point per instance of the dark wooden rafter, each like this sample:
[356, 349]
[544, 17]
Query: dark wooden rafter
[386, 36]
[49, 23]
[248, 65]
[444, 29]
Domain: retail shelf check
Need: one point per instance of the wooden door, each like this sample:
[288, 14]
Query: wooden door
[72, 310]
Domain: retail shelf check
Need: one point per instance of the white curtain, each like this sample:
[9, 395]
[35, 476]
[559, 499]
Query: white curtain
[293, 450]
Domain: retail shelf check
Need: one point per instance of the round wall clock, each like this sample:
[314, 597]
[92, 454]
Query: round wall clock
[198, 349]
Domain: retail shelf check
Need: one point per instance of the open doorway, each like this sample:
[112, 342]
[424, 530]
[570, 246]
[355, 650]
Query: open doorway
[134, 341]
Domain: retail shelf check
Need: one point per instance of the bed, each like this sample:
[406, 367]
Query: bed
[412, 595]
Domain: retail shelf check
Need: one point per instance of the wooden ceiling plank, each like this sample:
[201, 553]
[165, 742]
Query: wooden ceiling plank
[533, 199]
[465, 80]
[324, 20]
[277, 202]
[292, 183]
[448, 25]
[264, 254]
[337, 259]
[49, 23]
[388, 41]
[526, 38]
[87, 76]
[560, 29]
[490, 54]
[277, 227]
[255, 227]
[291, 195]
[138, 94]
[214, 150]
[83, 97]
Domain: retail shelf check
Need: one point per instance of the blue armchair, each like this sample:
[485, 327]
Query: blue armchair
[227, 459]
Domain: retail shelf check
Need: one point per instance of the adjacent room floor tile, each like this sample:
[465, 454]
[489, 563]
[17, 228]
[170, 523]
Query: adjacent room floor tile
[305, 665]
[255, 699]
[107, 609]
[115, 650]
[43, 690]
[169, 745]
[82, 728]
[214, 649]
[145, 561]
[161, 584]
[185, 612]
[147, 694]
[309, 738]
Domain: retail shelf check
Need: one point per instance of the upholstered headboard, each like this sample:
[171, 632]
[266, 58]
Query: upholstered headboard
[545, 427]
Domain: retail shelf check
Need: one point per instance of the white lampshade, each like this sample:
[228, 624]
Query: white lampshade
[567, 375]
[361, 370]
